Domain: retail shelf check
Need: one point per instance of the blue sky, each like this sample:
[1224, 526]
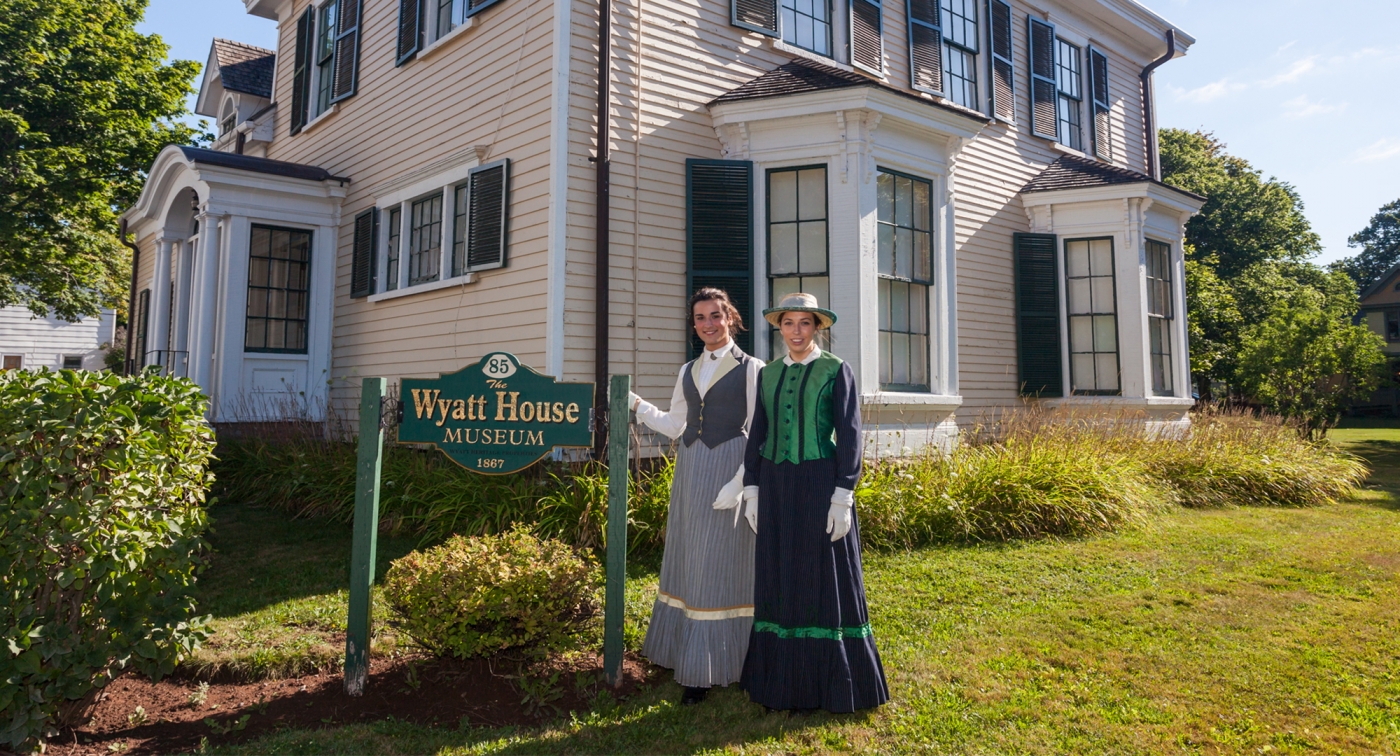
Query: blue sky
[1304, 90]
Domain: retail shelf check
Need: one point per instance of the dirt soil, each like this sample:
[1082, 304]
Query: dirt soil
[419, 690]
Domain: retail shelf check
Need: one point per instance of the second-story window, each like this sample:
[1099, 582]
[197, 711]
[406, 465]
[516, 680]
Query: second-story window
[425, 240]
[325, 55]
[807, 24]
[447, 15]
[960, 51]
[1069, 88]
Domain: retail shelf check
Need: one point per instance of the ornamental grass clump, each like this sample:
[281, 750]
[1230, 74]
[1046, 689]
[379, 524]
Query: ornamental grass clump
[485, 595]
[104, 479]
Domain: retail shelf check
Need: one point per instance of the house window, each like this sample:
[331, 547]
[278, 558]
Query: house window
[1160, 315]
[459, 230]
[905, 221]
[797, 246]
[807, 24]
[1069, 92]
[72, 362]
[960, 51]
[325, 54]
[229, 120]
[279, 277]
[391, 277]
[425, 240]
[1392, 325]
[14, 362]
[1093, 323]
[448, 15]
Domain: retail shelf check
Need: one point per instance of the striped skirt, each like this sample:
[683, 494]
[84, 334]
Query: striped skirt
[703, 613]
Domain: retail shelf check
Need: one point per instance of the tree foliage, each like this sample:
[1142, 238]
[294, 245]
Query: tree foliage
[86, 103]
[1380, 247]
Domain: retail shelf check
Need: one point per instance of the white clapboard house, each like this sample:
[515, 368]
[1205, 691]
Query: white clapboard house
[33, 343]
[404, 186]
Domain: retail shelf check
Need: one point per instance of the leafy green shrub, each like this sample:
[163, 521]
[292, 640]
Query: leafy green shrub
[104, 481]
[478, 596]
[1236, 460]
[424, 493]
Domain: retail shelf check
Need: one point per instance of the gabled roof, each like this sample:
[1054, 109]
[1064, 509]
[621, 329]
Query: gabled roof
[1380, 283]
[245, 68]
[1072, 172]
[801, 77]
[259, 165]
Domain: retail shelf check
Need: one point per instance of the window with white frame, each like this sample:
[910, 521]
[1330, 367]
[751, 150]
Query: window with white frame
[325, 55]
[228, 119]
[72, 362]
[1069, 90]
[904, 217]
[1093, 321]
[960, 51]
[446, 16]
[797, 238]
[279, 286]
[807, 24]
[425, 240]
[424, 248]
[1160, 315]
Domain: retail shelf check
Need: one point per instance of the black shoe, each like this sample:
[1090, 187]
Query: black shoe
[693, 696]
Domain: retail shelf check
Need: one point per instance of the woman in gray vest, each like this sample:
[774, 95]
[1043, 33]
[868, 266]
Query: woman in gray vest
[703, 613]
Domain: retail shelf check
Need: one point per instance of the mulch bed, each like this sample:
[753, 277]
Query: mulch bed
[420, 690]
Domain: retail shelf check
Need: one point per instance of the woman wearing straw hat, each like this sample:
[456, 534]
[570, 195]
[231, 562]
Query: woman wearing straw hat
[703, 612]
[811, 645]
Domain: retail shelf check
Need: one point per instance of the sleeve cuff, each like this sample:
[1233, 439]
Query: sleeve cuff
[843, 496]
[750, 493]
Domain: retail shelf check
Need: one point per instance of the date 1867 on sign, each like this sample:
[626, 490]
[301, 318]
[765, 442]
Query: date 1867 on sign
[496, 416]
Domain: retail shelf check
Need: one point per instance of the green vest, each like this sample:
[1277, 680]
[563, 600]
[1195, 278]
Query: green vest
[797, 400]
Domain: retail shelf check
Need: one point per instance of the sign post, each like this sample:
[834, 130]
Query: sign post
[616, 591]
[366, 529]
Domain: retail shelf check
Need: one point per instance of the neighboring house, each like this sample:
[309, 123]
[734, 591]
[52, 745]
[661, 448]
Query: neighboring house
[34, 343]
[967, 183]
[1380, 311]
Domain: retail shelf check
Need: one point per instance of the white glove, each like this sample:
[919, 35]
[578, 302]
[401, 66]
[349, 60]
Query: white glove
[838, 517]
[633, 400]
[751, 506]
[732, 495]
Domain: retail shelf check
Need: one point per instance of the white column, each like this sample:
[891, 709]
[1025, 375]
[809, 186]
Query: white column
[180, 327]
[159, 335]
[233, 306]
[321, 316]
[204, 304]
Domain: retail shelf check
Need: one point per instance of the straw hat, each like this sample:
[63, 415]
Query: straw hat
[799, 302]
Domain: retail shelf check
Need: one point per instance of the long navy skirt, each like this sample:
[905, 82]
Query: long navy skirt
[811, 645]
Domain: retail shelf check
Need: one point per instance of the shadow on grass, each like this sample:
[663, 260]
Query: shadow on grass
[263, 557]
[1384, 458]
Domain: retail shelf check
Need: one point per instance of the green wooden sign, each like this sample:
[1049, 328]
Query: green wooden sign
[496, 416]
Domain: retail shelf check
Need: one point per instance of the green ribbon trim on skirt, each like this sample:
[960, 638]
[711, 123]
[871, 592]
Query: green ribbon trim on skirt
[828, 633]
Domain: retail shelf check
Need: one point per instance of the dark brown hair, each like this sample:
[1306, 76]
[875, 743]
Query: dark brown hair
[711, 294]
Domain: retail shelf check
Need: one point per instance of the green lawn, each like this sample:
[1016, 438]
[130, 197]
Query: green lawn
[1234, 631]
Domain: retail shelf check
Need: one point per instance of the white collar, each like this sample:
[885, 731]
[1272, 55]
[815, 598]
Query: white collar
[816, 352]
[717, 353]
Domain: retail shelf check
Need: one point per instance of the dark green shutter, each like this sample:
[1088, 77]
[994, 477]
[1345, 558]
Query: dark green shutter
[1002, 90]
[1038, 315]
[1098, 90]
[488, 205]
[347, 50]
[410, 30]
[925, 46]
[719, 237]
[362, 257]
[301, 79]
[867, 41]
[755, 15]
[1043, 89]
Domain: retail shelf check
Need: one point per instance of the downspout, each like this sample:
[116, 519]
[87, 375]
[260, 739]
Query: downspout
[601, 274]
[1149, 121]
[131, 295]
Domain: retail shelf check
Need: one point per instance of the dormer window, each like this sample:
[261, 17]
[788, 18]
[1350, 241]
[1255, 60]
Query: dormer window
[229, 119]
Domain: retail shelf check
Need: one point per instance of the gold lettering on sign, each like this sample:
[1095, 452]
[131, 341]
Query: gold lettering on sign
[542, 412]
[558, 412]
[454, 436]
[527, 412]
[469, 435]
[443, 406]
[501, 405]
[534, 438]
[501, 437]
[571, 414]
[423, 401]
[459, 410]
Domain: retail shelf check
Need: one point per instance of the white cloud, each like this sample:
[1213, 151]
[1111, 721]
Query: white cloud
[1209, 92]
[1304, 107]
[1382, 149]
[1293, 73]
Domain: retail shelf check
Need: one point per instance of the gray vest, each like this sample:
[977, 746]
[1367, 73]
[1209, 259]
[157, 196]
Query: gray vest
[719, 416]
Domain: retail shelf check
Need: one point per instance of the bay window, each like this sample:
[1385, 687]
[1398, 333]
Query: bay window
[797, 238]
[905, 241]
[1093, 321]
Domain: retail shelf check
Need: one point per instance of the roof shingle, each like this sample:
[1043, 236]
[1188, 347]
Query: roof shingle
[245, 68]
[1072, 172]
[259, 165]
[801, 77]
